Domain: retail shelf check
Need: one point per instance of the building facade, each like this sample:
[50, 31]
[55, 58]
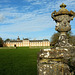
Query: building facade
[26, 42]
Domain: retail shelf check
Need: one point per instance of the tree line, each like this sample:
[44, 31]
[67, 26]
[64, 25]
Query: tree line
[2, 41]
[54, 39]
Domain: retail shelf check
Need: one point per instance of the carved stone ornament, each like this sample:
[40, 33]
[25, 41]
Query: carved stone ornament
[63, 11]
[56, 60]
[63, 18]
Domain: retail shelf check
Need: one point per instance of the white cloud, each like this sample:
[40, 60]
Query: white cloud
[36, 3]
[28, 23]
[30, 0]
[31, 21]
[1, 17]
[4, 1]
[8, 9]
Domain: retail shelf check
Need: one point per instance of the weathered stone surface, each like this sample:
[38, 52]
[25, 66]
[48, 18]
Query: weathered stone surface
[60, 59]
[55, 61]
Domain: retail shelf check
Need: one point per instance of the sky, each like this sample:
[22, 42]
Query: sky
[30, 18]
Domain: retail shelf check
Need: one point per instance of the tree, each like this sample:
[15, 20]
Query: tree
[7, 39]
[54, 38]
[1, 42]
[72, 40]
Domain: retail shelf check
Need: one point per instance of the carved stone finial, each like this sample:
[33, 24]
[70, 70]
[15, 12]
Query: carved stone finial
[63, 18]
[62, 5]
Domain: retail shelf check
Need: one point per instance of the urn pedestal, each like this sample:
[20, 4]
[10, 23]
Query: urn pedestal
[57, 60]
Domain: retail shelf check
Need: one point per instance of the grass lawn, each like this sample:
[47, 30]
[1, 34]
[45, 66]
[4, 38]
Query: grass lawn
[20, 61]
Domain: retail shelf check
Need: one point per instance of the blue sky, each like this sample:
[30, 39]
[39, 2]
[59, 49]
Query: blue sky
[30, 18]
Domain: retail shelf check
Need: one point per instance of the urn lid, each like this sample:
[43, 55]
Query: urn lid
[64, 11]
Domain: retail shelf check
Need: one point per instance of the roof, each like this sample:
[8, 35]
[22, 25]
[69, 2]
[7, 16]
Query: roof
[38, 40]
[35, 40]
[45, 40]
[16, 41]
[26, 39]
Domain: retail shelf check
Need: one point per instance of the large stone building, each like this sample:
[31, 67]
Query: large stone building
[27, 42]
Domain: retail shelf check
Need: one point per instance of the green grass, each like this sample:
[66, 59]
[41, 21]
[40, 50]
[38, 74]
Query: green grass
[20, 61]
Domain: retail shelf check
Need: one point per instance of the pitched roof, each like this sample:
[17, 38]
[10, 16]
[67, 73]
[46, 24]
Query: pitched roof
[16, 41]
[38, 40]
[29, 40]
[35, 40]
[45, 40]
[26, 39]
